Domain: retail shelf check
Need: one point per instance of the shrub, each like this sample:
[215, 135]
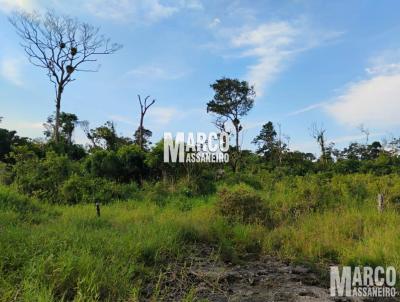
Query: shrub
[248, 179]
[125, 165]
[6, 175]
[13, 201]
[199, 185]
[83, 189]
[156, 192]
[25, 208]
[103, 164]
[42, 178]
[132, 160]
[76, 189]
[241, 203]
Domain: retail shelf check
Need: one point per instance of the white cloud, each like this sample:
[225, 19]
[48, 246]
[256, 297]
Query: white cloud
[307, 108]
[269, 43]
[192, 4]
[122, 119]
[156, 72]
[23, 128]
[8, 6]
[10, 70]
[373, 102]
[163, 115]
[143, 11]
[273, 44]
[388, 63]
[214, 23]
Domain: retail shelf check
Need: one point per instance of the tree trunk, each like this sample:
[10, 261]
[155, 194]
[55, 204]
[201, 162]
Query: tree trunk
[141, 131]
[58, 109]
[237, 138]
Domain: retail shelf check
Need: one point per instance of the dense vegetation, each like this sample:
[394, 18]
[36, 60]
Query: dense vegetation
[274, 201]
[53, 252]
[271, 202]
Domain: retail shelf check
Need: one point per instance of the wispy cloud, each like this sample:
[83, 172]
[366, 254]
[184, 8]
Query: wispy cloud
[214, 23]
[307, 108]
[138, 11]
[272, 45]
[23, 127]
[156, 72]
[122, 119]
[386, 63]
[10, 70]
[374, 101]
[164, 115]
[8, 6]
[269, 43]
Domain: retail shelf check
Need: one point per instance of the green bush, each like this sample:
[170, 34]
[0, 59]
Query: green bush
[199, 185]
[84, 189]
[6, 175]
[42, 178]
[10, 200]
[248, 179]
[241, 203]
[25, 208]
[124, 165]
[103, 163]
[156, 192]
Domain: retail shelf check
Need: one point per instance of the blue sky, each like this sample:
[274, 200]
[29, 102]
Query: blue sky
[335, 63]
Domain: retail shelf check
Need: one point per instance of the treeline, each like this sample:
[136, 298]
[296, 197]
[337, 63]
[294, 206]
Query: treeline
[56, 169]
[113, 167]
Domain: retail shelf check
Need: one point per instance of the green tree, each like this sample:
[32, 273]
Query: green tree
[142, 138]
[68, 123]
[233, 99]
[8, 141]
[266, 141]
[106, 137]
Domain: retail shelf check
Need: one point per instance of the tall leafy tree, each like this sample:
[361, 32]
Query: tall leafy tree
[232, 100]
[62, 46]
[266, 141]
[106, 137]
[68, 123]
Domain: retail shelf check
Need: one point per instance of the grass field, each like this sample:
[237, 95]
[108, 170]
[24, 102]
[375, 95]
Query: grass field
[53, 253]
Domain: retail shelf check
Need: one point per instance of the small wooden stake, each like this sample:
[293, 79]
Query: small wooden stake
[98, 209]
[380, 202]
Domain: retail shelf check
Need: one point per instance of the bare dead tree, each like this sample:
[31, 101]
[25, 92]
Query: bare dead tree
[282, 146]
[62, 46]
[318, 133]
[364, 131]
[144, 106]
[85, 127]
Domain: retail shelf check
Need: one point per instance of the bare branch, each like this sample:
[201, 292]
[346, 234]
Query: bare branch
[62, 45]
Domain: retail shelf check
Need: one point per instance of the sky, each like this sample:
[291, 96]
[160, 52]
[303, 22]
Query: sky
[333, 63]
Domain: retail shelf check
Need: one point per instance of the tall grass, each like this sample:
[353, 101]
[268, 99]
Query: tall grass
[56, 253]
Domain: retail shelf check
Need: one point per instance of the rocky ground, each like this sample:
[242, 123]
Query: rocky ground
[206, 278]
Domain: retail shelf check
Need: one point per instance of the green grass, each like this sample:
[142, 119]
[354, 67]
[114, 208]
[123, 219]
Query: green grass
[78, 256]
[53, 253]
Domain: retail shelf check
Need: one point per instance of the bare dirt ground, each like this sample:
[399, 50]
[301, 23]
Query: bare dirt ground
[205, 278]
